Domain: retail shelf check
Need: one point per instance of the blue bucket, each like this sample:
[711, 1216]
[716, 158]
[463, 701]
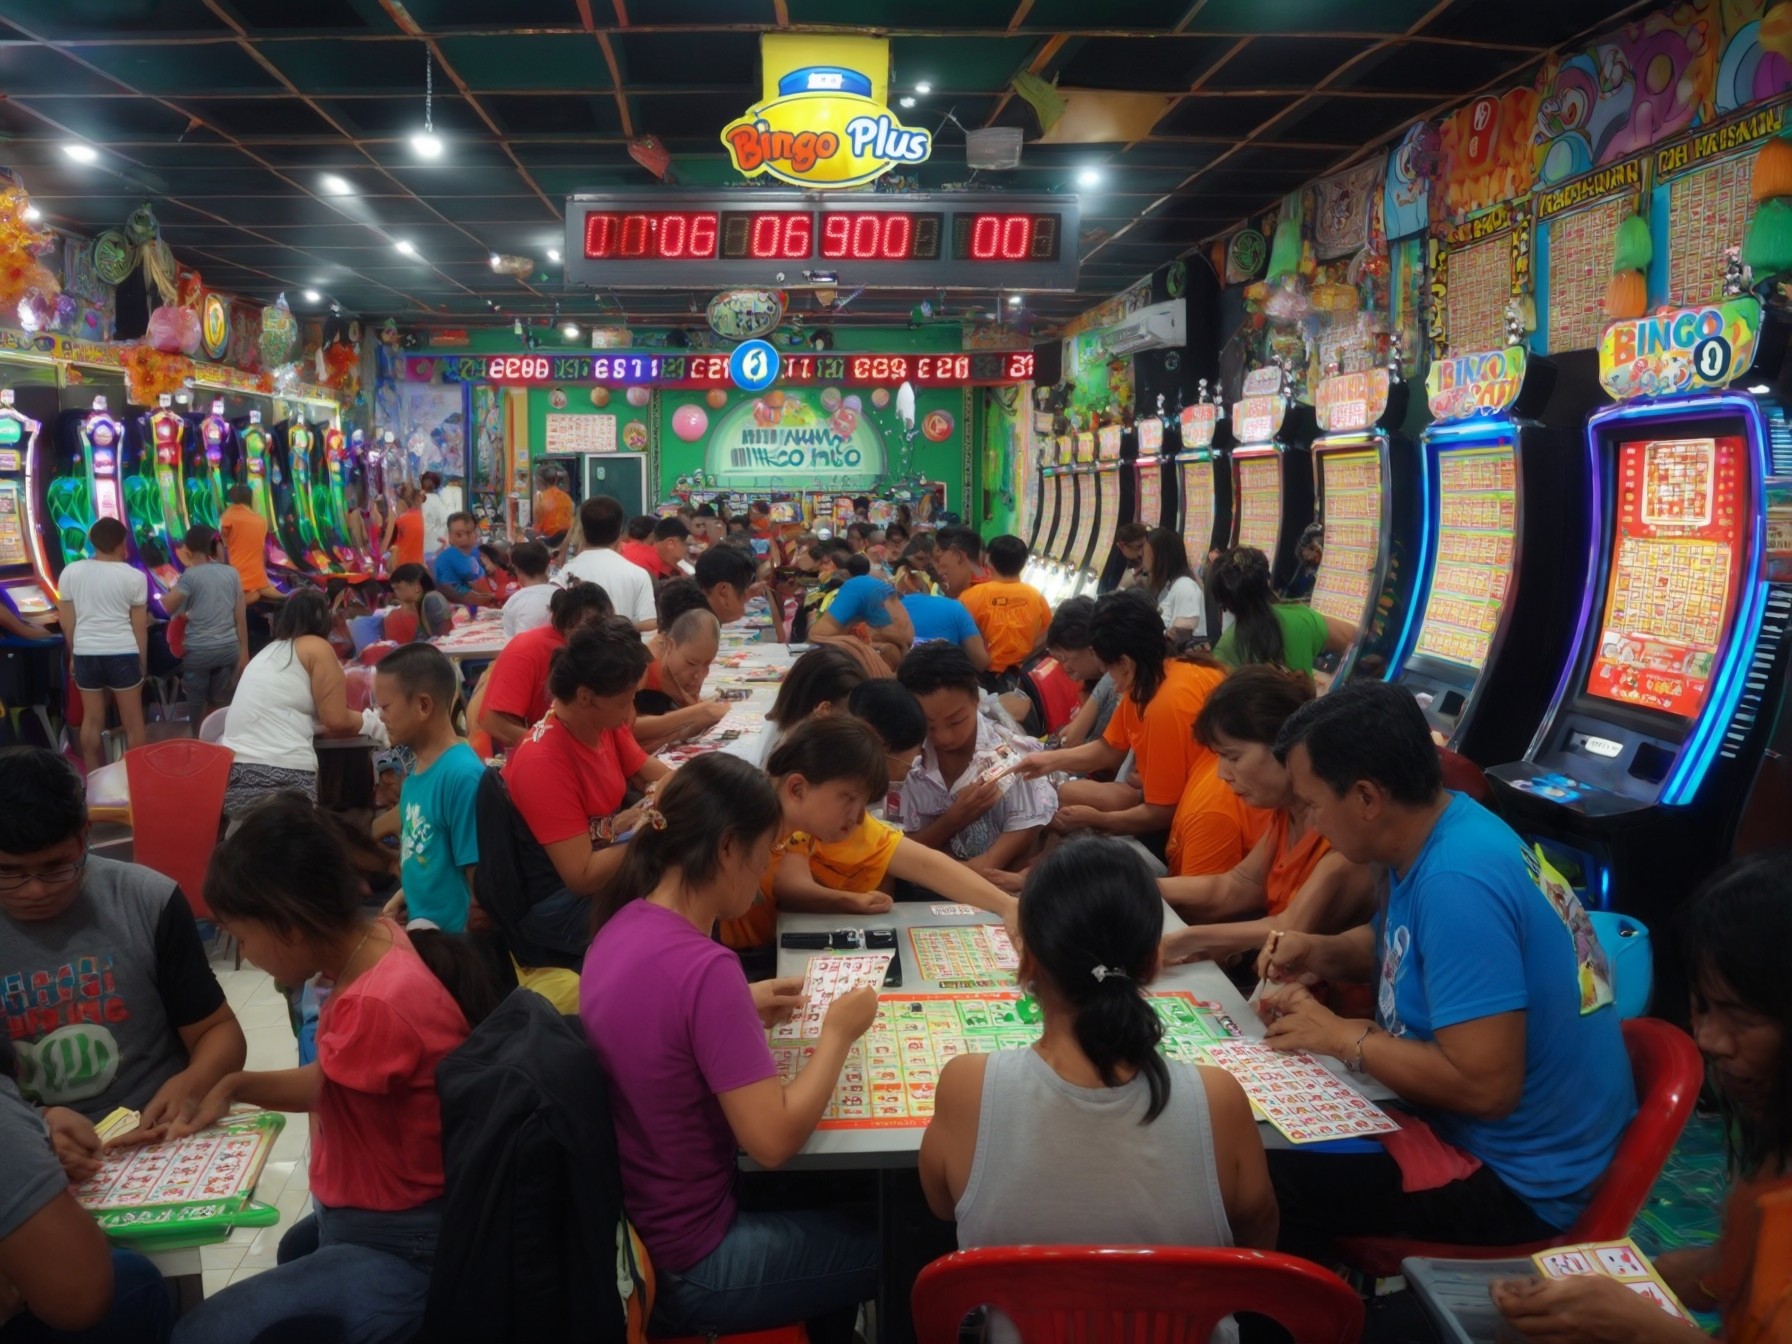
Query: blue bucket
[1632, 962]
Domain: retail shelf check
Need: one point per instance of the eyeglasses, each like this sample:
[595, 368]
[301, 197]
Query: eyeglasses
[48, 877]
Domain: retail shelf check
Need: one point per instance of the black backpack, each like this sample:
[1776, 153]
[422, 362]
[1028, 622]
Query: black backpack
[533, 1244]
[513, 874]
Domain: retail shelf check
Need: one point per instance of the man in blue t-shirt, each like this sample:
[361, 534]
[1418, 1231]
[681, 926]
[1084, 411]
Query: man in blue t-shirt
[948, 620]
[1494, 1022]
[457, 564]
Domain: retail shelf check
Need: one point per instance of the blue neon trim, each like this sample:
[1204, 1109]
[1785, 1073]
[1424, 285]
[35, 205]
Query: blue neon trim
[1419, 597]
[1477, 428]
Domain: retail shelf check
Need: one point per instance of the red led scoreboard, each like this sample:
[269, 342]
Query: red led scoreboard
[966, 369]
[979, 240]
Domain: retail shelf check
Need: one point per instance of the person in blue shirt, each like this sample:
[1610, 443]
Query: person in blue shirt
[457, 564]
[867, 609]
[948, 620]
[1494, 1021]
[438, 831]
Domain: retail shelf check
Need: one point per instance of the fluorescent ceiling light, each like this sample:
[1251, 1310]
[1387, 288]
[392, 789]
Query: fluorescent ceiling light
[81, 153]
[570, 331]
[427, 144]
[335, 186]
[406, 246]
[312, 296]
[1089, 177]
[923, 87]
[553, 254]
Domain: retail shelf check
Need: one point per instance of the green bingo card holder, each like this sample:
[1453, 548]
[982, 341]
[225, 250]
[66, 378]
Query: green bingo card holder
[188, 1192]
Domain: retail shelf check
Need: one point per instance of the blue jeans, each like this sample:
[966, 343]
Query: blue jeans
[142, 1311]
[350, 1275]
[771, 1269]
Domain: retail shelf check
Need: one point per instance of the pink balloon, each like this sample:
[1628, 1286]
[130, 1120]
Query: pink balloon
[690, 423]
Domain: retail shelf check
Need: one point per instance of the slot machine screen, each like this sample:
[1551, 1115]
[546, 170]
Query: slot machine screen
[1352, 513]
[1109, 520]
[1259, 503]
[1197, 510]
[1476, 538]
[1151, 494]
[1675, 569]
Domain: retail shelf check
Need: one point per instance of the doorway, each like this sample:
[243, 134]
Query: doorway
[621, 476]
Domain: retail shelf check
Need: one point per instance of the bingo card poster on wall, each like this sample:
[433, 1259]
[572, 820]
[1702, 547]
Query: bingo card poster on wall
[1581, 245]
[1708, 211]
[1480, 283]
[1477, 531]
[1675, 567]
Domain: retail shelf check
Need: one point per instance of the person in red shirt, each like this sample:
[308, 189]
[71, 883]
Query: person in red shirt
[516, 688]
[637, 544]
[286, 889]
[569, 776]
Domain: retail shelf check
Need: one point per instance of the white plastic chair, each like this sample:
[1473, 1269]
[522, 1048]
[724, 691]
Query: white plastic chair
[212, 730]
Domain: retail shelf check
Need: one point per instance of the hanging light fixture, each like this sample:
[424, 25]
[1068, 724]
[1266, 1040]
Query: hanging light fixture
[426, 143]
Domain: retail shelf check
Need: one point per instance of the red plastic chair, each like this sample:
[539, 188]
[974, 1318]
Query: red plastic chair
[1464, 776]
[177, 801]
[1132, 1294]
[1669, 1072]
[401, 625]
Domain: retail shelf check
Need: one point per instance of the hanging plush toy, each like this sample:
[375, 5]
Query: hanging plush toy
[1768, 248]
[1627, 294]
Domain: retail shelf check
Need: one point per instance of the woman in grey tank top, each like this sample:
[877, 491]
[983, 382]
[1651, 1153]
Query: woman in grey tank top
[1091, 1136]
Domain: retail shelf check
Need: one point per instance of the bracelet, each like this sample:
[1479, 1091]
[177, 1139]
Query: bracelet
[1357, 1067]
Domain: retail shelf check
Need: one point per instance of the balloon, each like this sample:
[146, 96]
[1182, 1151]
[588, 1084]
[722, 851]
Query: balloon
[853, 404]
[689, 423]
[938, 426]
[905, 405]
[830, 399]
[716, 398]
[775, 398]
[766, 415]
[600, 396]
[173, 330]
[880, 397]
[638, 396]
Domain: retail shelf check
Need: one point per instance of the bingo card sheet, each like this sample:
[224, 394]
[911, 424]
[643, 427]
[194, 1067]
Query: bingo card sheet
[1297, 1094]
[193, 1188]
[827, 979]
[1620, 1260]
[978, 956]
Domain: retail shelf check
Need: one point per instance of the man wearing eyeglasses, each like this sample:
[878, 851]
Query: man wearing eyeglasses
[108, 997]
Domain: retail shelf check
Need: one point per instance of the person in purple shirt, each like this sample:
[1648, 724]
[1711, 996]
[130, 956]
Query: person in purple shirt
[680, 1037]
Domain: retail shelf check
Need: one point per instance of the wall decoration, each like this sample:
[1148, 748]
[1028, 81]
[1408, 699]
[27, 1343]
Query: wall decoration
[432, 429]
[1480, 281]
[1484, 154]
[1406, 194]
[743, 314]
[1344, 203]
[1246, 251]
[580, 434]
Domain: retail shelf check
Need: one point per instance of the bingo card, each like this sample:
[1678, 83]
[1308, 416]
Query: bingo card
[978, 957]
[1581, 245]
[1479, 284]
[827, 979]
[187, 1191]
[1620, 1260]
[1299, 1095]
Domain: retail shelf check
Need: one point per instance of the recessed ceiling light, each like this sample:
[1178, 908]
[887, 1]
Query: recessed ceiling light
[427, 144]
[406, 246]
[923, 87]
[553, 254]
[334, 185]
[1089, 177]
[907, 101]
[33, 214]
[1014, 300]
[497, 261]
[81, 153]
[570, 331]
[312, 296]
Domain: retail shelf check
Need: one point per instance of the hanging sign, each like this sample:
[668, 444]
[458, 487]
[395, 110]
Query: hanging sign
[1484, 383]
[822, 121]
[741, 314]
[1198, 423]
[1347, 402]
[803, 437]
[1263, 382]
[1258, 419]
[1679, 349]
[214, 325]
[1151, 436]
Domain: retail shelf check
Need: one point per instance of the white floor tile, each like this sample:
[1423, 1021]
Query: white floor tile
[271, 1047]
[215, 1281]
[226, 1255]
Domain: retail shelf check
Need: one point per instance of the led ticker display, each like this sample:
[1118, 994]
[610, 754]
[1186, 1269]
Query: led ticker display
[965, 369]
[1675, 570]
[945, 240]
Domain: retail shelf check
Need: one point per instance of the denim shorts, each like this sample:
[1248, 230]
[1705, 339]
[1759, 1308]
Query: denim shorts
[108, 671]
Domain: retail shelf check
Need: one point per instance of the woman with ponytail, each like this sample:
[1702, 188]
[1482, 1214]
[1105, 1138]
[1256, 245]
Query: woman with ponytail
[1263, 630]
[1093, 1138]
[680, 1037]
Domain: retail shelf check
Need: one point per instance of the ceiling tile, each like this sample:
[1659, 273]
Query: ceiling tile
[402, 116]
[1310, 16]
[1427, 67]
[31, 68]
[554, 114]
[687, 60]
[327, 67]
[682, 114]
[1074, 15]
[959, 64]
[1351, 122]
[68, 19]
[527, 61]
[321, 16]
[168, 70]
[912, 15]
[1285, 62]
[1534, 25]
[649, 13]
[436, 15]
[260, 118]
[108, 121]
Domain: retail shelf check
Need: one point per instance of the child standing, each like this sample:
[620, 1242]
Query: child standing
[217, 647]
[527, 607]
[104, 609]
[358, 1268]
[245, 534]
[415, 689]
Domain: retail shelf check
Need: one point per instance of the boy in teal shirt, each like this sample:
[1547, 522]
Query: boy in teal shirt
[415, 689]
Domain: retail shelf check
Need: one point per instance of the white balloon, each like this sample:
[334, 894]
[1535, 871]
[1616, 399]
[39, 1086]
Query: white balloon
[905, 405]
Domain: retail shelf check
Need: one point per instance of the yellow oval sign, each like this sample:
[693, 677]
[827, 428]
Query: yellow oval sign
[823, 140]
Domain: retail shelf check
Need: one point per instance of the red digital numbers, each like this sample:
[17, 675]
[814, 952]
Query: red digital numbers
[943, 369]
[883, 236]
[877, 369]
[783, 237]
[1001, 237]
[650, 237]
[518, 369]
[708, 369]
[1020, 366]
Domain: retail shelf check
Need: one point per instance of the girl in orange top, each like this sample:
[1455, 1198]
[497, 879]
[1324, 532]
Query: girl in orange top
[1733, 936]
[1291, 879]
[404, 534]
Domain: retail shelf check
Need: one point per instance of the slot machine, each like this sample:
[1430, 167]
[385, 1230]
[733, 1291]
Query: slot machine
[25, 584]
[1506, 522]
[335, 475]
[1034, 523]
[84, 485]
[1635, 781]
[155, 488]
[1368, 484]
[1039, 558]
[210, 466]
[1074, 558]
[1148, 465]
[1205, 483]
[1063, 487]
[295, 444]
[257, 448]
[1113, 499]
[1272, 471]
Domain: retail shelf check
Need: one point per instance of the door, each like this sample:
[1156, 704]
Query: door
[621, 476]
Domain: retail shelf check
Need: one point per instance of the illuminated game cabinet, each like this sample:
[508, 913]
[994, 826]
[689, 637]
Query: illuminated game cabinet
[1148, 476]
[155, 490]
[24, 568]
[1039, 564]
[331, 478]
[1053, 583]
[256, 445]
[210, 466]
[1272, 472]
[1074, 558]
[1204, 485]
[81, 485]
[1368, 485]
[1506, 525]
[1678, 668]
[1113, 500]
[291, 491]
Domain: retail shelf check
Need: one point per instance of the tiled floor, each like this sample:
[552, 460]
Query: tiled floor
[286, 1182]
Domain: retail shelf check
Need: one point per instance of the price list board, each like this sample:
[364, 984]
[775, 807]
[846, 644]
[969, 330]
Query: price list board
[1476, 537]
[1107, 487]
[1259, 502]
[1352, 512]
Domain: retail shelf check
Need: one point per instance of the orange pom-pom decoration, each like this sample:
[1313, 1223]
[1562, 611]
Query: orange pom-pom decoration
[1773, 170]
[1626, 295]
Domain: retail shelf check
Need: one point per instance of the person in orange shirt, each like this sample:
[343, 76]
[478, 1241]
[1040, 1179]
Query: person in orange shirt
[404, 534]
[1732, 938]
[1160, 696]
[553, 509]
[245, 534]
[1291, 879]
[1213, 828]
[1012, 616]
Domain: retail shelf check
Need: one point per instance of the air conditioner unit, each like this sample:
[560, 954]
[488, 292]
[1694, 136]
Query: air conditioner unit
[1159, 327]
